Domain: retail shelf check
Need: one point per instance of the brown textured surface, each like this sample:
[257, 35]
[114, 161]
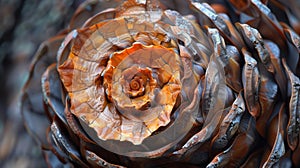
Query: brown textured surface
[27, 23]
[24, 24]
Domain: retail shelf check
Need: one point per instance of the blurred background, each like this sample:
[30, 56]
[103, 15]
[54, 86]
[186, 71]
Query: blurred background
[24, 24]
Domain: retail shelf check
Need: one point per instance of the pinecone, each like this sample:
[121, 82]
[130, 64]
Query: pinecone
[169, 84]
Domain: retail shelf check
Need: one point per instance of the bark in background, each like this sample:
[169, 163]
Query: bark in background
[24, 24]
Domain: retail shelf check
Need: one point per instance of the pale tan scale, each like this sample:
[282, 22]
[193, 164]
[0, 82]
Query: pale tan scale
[93, 96]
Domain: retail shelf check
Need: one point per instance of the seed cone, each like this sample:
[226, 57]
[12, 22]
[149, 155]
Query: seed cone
[169, 84]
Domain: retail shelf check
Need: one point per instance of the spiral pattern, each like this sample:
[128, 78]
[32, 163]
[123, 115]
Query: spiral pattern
[141, 85]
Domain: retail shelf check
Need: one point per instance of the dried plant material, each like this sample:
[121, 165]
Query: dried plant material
[141, 85]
